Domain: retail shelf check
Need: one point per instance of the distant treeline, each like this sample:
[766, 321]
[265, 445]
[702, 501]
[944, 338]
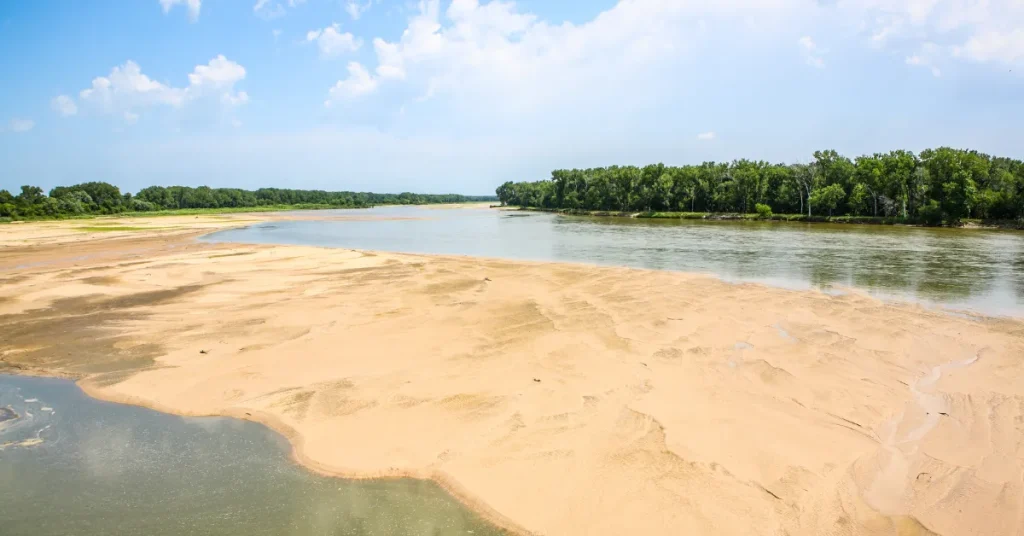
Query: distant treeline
[104, 198]
[938, 185]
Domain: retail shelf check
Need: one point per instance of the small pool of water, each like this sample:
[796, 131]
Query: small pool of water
[73, 465]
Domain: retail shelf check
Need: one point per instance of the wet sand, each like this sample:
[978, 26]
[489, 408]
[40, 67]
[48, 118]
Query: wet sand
[556, 398]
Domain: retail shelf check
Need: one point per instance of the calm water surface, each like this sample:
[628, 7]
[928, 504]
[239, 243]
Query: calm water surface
[72, 465]
[981, 270]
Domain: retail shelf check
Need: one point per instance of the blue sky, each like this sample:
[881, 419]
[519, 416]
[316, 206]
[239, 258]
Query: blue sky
[461, 95]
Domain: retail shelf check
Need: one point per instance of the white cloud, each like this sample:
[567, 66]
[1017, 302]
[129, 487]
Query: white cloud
[332, 41]
[127, 89]
[356, 9]
[358, 83]
[977, 30]
[390, 61]
[705, 136]
[219, 72]
[127, 84]
[497, 54]
[811, 52]
[192, 6]
[994, 45]
[268, 9]
[64, 105]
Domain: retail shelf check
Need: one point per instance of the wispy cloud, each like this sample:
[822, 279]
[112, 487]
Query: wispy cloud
[64, 105]
[356, 9]
[193, 7]
[811, 52]
[22, 125]
[269, 9]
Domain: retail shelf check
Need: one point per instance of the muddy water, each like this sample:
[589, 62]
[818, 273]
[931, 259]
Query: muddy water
[72, 465]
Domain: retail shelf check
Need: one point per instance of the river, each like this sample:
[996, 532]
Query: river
[965, 269]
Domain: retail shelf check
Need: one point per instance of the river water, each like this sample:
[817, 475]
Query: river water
[973, 269]
[72, 465]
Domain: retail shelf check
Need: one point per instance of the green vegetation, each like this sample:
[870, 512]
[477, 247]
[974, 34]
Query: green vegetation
[937, 186]
[110, 228]
[100, 198]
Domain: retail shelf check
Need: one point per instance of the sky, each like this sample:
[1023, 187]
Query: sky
[441, 96]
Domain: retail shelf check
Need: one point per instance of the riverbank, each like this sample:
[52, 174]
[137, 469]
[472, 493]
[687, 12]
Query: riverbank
[637, 401]
[799, 218]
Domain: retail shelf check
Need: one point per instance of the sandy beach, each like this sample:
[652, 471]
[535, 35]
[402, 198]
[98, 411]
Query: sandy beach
[557, 399]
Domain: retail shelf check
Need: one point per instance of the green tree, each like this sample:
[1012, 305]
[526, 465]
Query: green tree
[953, 176]
[868, 177]
[30, 196]
[828, 197]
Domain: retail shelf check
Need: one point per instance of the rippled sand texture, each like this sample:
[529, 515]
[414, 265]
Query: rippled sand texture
[559, 399]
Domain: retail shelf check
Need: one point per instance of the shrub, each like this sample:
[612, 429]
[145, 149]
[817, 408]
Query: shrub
[763, 211]
[138, 205]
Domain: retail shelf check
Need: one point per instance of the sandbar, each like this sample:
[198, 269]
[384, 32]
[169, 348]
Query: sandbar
[558, 399]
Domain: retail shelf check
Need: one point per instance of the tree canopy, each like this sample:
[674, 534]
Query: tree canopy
[105, 198]
[937, 185]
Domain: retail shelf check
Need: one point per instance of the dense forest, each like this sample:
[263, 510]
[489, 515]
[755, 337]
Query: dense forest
[104, 198]
[936, 186]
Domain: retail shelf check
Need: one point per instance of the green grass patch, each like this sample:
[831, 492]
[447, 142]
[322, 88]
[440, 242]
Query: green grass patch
[111, 228]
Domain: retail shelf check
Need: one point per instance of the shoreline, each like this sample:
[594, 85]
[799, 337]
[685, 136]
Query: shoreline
[295, 442]
[526, 384]
[1007, 225]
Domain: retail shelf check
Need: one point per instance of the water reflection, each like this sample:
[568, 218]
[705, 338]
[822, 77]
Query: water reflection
[73, 465]
[962, 268]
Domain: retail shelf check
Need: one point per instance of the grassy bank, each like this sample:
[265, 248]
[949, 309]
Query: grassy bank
[801, 218]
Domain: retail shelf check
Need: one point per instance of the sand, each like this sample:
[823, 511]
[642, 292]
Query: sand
[556, 399]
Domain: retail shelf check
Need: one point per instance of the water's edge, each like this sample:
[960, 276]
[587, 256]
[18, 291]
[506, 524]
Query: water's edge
[296, 442]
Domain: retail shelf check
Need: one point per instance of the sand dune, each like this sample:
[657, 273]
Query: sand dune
[559, 399]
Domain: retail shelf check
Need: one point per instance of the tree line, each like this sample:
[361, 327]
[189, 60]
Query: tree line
[105, 198]
[935, 186]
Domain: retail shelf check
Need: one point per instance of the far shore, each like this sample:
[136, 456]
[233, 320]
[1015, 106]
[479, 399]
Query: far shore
[790, 218]
[554, 398]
